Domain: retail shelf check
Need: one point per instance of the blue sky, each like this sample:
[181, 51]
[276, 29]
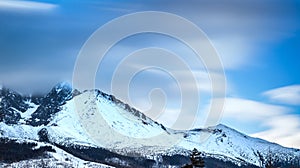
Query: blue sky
[258, 43]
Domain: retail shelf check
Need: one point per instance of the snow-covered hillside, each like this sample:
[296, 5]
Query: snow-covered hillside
[95, 119]
[55, 158]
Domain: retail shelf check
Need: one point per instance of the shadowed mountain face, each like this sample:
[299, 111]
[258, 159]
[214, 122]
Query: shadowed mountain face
[10, 105]
[13, 104]
[52, 119]
[50, 105]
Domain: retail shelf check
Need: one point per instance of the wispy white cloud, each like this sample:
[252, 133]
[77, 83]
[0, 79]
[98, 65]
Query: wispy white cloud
[234, 51]
[203, 81]
[287, 95]
[26, 5]
[249, 110]
[282, 127]
[201, 77]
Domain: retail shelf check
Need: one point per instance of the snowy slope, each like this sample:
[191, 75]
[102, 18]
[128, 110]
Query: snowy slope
[117, 127]
[59, 158]
[228, 142]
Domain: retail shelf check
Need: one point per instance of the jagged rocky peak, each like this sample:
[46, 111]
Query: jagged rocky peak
[62, 86]
[11, 104]
[61, 93]
[10, 98]
[51, 104]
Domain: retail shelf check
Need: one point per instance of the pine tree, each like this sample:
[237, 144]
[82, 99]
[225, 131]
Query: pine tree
[196, 159]
[261, 159]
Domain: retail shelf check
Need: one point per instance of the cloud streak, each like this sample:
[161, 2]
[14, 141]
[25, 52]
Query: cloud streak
[281, 126]
[26, 5]
[284, 129]
[287, 95]
[249, 110]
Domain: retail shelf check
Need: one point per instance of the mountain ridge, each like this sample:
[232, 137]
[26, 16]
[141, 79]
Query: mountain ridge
[58, 124]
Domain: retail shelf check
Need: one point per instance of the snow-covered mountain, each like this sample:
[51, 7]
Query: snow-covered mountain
[125, 136]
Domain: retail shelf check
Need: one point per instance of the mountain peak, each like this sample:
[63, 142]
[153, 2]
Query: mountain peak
[51, 104]
[63, 86]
